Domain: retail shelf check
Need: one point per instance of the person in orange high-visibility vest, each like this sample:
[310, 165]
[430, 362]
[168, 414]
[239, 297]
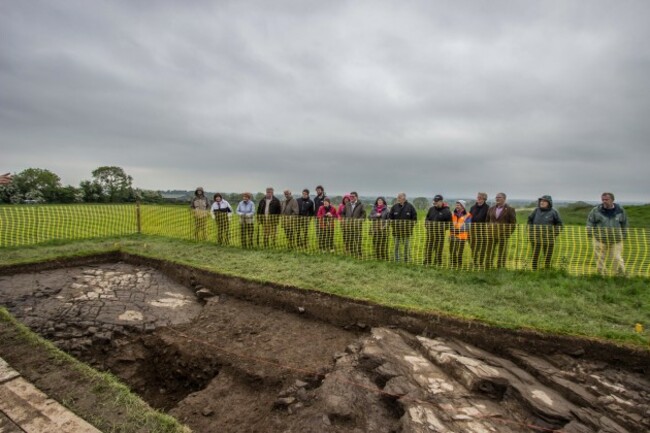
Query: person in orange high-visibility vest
[459, 233]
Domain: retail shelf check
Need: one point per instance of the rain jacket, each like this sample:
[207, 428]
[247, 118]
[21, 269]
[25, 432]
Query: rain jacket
[608, 226]
[544, 224]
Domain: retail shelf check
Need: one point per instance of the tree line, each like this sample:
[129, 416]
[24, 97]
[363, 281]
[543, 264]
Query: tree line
[109, 184]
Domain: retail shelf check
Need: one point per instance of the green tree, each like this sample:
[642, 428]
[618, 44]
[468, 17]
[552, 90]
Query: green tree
[91, 192]
[69, 194]
[10, 194]
[37, 184]
[115, 184]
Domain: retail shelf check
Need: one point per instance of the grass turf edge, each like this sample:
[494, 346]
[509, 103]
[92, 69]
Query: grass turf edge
[138, 416]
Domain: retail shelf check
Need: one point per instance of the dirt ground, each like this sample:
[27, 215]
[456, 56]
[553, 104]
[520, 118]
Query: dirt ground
[219, 362]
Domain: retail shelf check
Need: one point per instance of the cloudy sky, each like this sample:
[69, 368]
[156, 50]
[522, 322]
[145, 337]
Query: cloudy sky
[527, 97]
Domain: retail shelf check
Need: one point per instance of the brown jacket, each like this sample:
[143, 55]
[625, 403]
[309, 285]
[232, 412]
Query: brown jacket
[290, 207]
[506, 222]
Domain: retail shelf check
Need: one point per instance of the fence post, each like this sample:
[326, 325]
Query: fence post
[138, 220]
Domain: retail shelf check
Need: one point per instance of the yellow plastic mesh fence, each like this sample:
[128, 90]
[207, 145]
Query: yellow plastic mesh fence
[32, 224]
[571, 248]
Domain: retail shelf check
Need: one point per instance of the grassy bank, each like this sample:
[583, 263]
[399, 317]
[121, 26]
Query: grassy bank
[595, 307]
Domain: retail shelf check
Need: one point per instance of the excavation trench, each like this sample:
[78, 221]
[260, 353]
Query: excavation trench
[226, 354]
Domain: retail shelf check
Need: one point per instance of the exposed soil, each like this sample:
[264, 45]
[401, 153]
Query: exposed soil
[225, 354]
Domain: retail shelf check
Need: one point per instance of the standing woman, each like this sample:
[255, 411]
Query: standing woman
[200, 212]
[326, 216]
[379, 228]
[345, 232]
[459, 233]
[246, 211]
[544, 225]
[221, 211]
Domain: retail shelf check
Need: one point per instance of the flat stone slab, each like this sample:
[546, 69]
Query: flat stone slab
[24, 408]
[71, 305]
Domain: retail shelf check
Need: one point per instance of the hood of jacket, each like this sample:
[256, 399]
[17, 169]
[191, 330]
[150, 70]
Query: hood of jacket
[547, 198]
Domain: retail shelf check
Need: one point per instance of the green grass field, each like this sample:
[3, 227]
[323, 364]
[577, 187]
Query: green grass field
[555, 302]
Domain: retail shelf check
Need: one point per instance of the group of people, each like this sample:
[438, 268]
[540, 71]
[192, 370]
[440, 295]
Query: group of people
[487, 229]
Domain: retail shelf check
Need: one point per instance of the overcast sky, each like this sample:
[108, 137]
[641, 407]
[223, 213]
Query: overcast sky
[525, 97]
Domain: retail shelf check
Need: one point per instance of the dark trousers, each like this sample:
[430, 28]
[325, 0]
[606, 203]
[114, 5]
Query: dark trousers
[223, 228]
[479, 245]
[302, 231]
[354, 231]
[269, 233]
[345, 234]
[545, 248]
[326, 238]
[456, 248]
[433, 246]
[500, 245]
[289, 223]
[380, 244]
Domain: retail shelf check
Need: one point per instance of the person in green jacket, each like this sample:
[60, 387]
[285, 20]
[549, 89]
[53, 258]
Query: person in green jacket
[607, 227]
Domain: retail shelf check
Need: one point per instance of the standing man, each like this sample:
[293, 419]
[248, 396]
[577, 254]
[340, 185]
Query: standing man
[318, 203]
[607, 227]
[318, 200]
[403, 217]
[200, 206]
[268, 211]
[246, 211]
[354, 214]
[289, 213]
[544, 225]
[502, 220]
[478, 241]
[436, 223]
[306, 211]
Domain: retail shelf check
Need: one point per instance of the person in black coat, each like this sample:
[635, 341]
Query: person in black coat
[306, 211]
[403, 217]
[268, 211]
[478, 241]
[437, 222]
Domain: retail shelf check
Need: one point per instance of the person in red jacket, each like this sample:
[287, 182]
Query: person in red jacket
[326, 216]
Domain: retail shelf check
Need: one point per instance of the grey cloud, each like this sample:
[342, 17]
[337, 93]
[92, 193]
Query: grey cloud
[377, 96]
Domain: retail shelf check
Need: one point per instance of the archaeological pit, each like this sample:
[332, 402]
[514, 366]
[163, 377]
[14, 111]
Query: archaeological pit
[230, 355]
